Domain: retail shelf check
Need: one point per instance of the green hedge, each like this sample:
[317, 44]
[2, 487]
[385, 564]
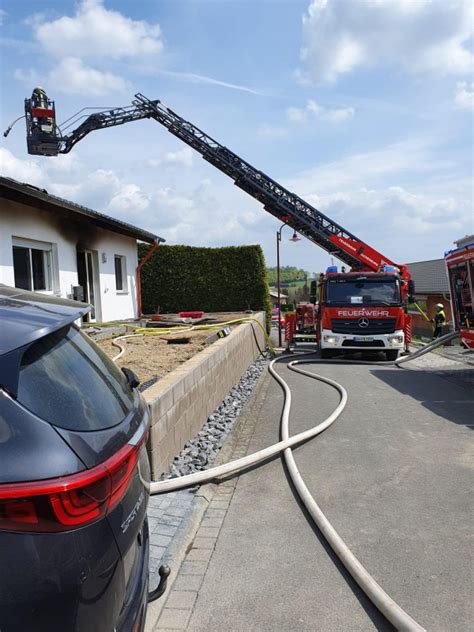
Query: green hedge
[178, 278]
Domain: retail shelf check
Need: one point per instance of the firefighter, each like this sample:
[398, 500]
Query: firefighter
[39, 98]
[439, 320]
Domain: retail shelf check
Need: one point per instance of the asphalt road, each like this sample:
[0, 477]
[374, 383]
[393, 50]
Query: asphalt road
[393, 475]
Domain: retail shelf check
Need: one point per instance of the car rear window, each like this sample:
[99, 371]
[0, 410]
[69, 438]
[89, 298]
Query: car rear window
[67, 380]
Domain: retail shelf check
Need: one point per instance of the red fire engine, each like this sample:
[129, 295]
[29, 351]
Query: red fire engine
[362, 309]
[460, 270]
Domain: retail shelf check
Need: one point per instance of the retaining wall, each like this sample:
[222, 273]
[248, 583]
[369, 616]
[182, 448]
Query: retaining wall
[182, 400]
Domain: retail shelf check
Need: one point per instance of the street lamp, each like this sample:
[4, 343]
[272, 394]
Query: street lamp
[293, 238]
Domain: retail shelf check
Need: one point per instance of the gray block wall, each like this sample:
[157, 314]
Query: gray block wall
[182, 400]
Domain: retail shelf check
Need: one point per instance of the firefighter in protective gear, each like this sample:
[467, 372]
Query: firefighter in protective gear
[39, 98]
[439, 320]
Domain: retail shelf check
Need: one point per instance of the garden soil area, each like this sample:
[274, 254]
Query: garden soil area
[152, 356]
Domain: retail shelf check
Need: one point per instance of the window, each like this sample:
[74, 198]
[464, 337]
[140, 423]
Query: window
[120, 274]
[376, 292]
[32, 264]
[67, 380]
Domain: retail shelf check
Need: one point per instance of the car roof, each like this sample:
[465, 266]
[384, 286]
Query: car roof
[27, 316]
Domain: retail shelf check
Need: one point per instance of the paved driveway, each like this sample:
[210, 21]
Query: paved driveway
[393, 474]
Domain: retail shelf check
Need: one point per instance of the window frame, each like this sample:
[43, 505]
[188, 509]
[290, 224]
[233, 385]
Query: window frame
[123, 269]
[47, 248]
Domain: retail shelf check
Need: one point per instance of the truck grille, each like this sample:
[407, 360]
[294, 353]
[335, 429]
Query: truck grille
[370, 343]
[353, 326]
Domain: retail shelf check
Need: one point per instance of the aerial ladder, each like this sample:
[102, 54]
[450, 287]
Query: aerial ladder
[45, 138]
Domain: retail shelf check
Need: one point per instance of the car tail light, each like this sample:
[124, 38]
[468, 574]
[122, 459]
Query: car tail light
[68, 502]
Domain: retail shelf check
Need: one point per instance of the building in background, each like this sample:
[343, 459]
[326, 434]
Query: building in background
[431, 288]
[274, 297]
[57, 247]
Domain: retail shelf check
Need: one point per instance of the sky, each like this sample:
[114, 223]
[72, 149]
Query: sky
[364, 108]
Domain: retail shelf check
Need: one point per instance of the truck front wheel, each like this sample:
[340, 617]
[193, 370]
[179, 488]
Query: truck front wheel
[392, 355]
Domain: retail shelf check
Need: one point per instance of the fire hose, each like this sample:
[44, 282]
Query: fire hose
[143, 331]
[389, 608]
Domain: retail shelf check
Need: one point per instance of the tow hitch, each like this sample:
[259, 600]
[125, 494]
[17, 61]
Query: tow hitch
[164, 572]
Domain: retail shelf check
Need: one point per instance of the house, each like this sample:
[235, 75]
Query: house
[54, 246]
[431, 287]
[274, 297]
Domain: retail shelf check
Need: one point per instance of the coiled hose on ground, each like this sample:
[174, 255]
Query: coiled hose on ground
[389, 608]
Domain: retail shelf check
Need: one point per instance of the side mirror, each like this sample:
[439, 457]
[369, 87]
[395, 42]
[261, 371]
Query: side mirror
[132, 378]
[411, 291]
[313, 292]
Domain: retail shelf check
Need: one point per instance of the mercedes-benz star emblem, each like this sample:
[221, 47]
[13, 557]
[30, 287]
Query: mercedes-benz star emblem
[363, 322]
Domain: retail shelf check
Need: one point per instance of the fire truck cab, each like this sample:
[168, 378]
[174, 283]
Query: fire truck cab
[361, 311]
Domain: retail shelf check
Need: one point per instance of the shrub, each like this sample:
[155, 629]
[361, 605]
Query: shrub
[178, 278]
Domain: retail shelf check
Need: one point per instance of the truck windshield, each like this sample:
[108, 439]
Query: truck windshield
[363, 292]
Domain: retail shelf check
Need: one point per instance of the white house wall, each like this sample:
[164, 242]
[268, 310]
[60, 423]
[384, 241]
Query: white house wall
[18, 220]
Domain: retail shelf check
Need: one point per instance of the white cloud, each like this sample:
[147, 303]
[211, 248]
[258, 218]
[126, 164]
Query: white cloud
[380, 211]
[297, 115]
[176, 213]
[418, 35]
[71, 76]
[389, 165]
[21, 170]
[67, 176]
[315, 111]
[272, 132]
[129, 197]
[3, 15]
[29, 77]
[97, 32]
[93, 32]
[464, 97]
[400, 199]
[182, 157]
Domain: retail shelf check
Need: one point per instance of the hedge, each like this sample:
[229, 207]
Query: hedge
[179, 278]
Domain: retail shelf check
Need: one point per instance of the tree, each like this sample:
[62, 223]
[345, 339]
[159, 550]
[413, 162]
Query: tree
[288, 275]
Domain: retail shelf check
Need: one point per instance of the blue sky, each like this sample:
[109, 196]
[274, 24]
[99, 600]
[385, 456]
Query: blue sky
[362, 107]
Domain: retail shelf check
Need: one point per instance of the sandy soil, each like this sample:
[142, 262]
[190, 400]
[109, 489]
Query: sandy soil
[152, 357]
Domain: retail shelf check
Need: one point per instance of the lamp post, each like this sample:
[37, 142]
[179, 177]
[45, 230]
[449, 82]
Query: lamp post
[293, 238]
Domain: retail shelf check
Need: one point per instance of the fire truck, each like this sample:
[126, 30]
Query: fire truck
[460, 271]
[365, 308]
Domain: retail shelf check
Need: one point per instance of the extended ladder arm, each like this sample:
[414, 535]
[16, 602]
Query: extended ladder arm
[276, 199]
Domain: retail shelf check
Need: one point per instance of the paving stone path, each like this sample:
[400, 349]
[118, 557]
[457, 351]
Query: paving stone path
[179, 602]
[166, 514]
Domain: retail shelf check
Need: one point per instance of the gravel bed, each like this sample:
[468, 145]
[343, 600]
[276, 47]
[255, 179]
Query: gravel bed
[199, 453]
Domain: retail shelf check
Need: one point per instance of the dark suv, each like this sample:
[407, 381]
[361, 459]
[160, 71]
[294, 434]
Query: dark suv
[74, 476]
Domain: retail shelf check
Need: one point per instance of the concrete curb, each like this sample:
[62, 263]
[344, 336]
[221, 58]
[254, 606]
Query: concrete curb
[203, 498]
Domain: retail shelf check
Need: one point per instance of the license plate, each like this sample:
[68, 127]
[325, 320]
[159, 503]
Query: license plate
[363, 338]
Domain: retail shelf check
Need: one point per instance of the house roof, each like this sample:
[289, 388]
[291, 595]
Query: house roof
[429, 276]
[39, 198]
